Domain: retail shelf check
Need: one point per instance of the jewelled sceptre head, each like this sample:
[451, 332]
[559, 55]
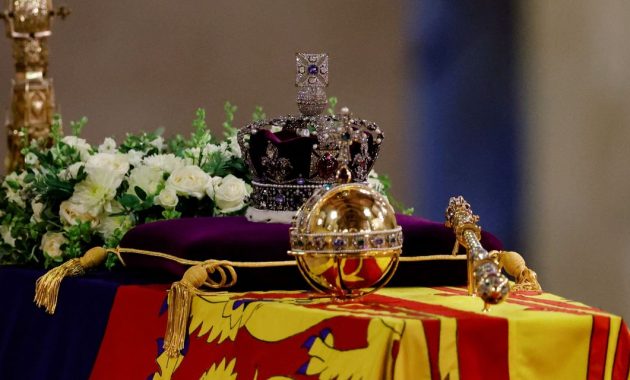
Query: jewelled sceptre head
[484, 274]
[28, 25]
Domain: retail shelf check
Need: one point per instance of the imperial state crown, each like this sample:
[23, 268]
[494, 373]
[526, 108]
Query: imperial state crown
[292, 156]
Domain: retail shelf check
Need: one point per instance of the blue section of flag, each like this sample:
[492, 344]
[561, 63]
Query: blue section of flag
[30, 339]
[466, 111]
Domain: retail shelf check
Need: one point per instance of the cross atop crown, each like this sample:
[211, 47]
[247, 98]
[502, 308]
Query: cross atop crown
[311, 70]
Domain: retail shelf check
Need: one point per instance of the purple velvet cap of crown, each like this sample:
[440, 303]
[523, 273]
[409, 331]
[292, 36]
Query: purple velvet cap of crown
[298, 151]
[289, 164]
[237, 239]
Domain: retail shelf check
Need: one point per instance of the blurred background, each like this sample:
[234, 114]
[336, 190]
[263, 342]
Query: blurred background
[522, 107]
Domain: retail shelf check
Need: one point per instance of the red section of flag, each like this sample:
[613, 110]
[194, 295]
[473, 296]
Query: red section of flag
[266, 359]
[432, 335]
[621, 368]
[130, 346]
[137, 324]
[395, 304]
[598, 347]
[482, 347]
[558, 304]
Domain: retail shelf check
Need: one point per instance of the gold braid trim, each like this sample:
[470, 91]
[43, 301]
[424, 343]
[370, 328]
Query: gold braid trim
[47, 286]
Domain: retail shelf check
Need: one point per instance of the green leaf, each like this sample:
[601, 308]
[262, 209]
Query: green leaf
[258, 114]
[129, 201]
[55, 129]
[228, 128]
[111, 261]
[140, 193]
[332, 103]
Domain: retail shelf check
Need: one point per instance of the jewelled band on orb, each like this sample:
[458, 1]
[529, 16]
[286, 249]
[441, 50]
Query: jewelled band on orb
[363, 242]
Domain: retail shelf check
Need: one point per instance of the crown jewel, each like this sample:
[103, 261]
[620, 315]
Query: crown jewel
[291, 156]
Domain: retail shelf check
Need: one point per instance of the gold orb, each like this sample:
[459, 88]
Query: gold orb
[346, 240]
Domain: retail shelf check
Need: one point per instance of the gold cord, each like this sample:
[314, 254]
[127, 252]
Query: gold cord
[412, 259]
[258, 264]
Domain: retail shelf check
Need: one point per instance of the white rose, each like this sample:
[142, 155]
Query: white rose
[52, 242]
[108, 146]
[167, 198]
[114, 162]
[31, 159]
[70, 213]
[71, 171]
[37, 211]
[230, 193]
[189, 180]
[135, 157]
[5, 234]
[148, 178]
[79, 144]
[167, 162]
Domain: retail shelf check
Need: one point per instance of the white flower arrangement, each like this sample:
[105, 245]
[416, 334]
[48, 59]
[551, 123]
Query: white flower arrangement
[72, 195]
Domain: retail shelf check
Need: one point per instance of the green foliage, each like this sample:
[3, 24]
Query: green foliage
[228, 127]
[258, 114]
[143, 142]
[200, 136]
[332, 104]
[56, 129]
[77, 126]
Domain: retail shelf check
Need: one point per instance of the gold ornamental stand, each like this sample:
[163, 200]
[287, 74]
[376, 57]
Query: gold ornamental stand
[28, 24]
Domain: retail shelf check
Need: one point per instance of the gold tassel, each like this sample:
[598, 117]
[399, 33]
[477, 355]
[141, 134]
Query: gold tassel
[514, 264]
[179, 303]
[47, 286]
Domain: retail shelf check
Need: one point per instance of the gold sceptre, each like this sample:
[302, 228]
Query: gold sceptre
[484, 274]
[28, 25]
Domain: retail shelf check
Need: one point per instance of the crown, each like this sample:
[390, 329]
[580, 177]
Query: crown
[292, 156]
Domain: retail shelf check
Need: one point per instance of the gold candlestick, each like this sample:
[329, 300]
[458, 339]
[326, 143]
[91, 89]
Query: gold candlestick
[484, 274]
[28, 24]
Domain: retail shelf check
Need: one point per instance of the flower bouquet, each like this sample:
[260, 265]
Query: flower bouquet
[71, 195]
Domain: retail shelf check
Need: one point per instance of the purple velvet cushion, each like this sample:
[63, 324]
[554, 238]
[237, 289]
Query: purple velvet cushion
[237, 239]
